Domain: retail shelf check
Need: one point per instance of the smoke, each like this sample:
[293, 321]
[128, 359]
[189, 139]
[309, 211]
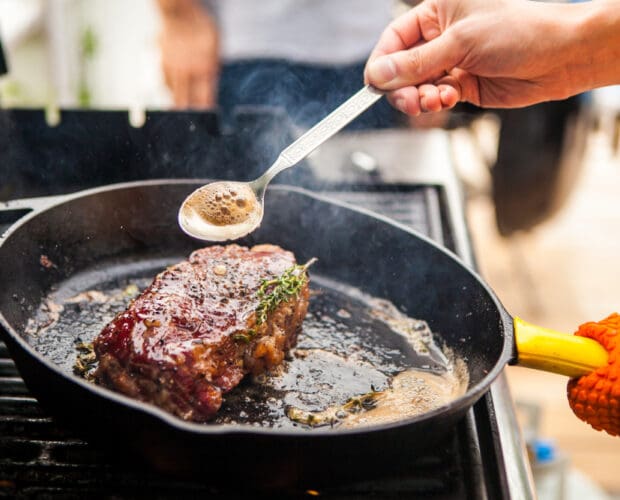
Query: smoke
[263, 107]
[299, 95]
[306, 92]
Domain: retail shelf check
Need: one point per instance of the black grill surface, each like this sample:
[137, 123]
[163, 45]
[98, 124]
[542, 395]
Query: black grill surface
[41, 459]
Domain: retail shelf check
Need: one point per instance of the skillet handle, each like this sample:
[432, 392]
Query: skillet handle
[544, 349]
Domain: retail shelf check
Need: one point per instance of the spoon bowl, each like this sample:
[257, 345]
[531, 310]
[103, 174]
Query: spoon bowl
[227, 210]
[222, 210]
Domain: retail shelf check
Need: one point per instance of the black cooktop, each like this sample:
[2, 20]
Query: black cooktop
[41, 459]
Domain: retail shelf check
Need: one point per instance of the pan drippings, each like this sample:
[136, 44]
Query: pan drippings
[358, 361]
[224, 203]
[221, 210]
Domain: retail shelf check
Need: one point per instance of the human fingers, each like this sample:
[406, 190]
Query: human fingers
[437, 97]
[427, 98]
[406, 100]
[415, 65]
[450, 90]
[449, 96]
[400, 34]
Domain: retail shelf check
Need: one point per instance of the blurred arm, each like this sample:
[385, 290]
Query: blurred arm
[189, 44]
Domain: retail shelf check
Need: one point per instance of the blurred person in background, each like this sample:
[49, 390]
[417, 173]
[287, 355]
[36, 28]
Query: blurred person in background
[303, 56]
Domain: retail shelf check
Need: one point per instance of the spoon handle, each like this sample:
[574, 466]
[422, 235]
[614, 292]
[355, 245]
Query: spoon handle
[327, 127]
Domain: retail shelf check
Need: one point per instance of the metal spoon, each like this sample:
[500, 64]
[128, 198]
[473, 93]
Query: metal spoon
[225, 210]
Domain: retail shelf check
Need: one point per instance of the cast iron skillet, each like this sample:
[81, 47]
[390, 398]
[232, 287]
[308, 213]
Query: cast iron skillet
[91, 232]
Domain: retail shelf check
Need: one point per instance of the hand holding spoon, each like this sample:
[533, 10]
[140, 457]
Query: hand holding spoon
[226, 210]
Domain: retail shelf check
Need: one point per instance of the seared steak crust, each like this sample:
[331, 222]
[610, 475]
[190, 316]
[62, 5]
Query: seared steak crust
[192, 335]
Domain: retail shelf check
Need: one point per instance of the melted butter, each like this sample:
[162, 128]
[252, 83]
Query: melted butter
[221, 211]
[412, 393]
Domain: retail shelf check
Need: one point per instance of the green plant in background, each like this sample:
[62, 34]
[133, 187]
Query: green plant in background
[88, 50]
[12, 93]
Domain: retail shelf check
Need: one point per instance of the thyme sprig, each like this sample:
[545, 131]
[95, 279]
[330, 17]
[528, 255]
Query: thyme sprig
[335, 414]
[85, 361]
[272, 292]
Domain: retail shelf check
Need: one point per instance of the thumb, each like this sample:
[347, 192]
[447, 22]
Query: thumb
[413, 66]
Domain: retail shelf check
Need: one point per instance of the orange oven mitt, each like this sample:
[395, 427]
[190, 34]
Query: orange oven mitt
[595, 397]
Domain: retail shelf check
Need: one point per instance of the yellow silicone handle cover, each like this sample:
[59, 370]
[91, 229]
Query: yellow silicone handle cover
[545, 349]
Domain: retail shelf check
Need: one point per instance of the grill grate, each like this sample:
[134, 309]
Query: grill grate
[40, 459]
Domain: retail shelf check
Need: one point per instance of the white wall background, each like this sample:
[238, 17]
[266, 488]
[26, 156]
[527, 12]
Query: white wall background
[126, 70]
[42, 41]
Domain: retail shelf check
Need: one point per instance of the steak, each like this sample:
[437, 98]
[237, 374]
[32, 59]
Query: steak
[202, 325]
